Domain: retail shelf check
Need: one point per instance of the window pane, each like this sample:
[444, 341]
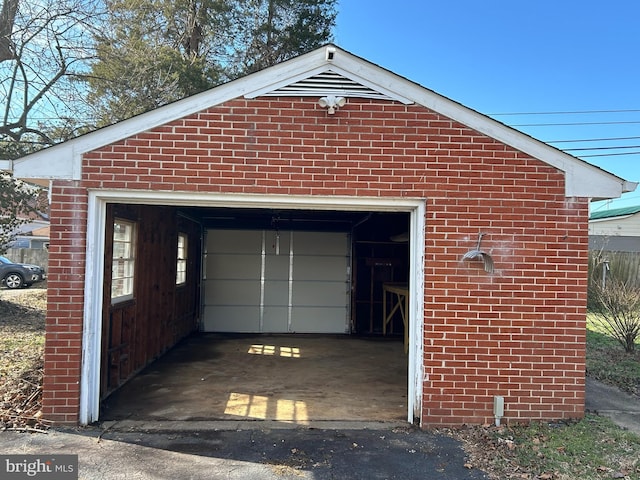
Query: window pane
[123, 262]
[181, 265]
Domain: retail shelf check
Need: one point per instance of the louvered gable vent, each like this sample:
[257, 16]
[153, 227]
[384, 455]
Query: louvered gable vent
[328, 82]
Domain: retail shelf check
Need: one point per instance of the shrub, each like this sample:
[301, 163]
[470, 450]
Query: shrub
[614, 298]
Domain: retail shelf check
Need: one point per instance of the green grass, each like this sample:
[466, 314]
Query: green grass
[593, 448]
[608, 362]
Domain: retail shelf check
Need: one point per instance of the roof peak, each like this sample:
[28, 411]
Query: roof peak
[326, 71]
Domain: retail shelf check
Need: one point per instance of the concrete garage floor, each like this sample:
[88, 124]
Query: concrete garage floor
[293, 379]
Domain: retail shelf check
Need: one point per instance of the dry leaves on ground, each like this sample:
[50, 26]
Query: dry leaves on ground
[22, 315]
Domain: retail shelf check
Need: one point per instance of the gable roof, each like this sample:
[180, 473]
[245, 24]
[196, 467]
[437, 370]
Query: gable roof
[325, 71]
[615, 212]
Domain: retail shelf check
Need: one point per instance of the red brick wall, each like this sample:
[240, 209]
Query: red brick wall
[518, 332]
[63, 342]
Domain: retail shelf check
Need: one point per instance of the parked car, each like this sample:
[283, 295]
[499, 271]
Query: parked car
[17, 275]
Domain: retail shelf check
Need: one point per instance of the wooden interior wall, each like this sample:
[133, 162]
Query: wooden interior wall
[137, 331]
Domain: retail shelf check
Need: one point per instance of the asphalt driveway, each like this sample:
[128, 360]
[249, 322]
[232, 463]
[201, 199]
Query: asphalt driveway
[257, 452]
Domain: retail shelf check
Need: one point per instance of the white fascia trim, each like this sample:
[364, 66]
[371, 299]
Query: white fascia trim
[43, 164]
[191, 199]
[582, 178]
[370, 76]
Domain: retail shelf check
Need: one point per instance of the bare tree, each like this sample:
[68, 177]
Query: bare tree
[7, 19]
[45, 46]
[614, 297]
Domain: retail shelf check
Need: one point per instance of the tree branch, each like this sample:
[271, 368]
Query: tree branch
[7, 20]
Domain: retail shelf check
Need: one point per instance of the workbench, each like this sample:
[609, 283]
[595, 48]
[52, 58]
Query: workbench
[398, 293]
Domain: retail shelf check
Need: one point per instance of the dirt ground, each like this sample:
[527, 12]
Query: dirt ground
[22, 315]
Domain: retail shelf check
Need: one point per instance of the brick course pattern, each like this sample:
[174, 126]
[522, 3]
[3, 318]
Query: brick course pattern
[519, 332]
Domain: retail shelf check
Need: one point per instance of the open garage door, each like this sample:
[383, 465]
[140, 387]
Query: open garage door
[268, 281]
[316, 238]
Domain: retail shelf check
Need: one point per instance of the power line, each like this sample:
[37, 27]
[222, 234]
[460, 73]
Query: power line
[577, 112]
[610, 154]
[572, 123]
[599, 148]
[593, 140]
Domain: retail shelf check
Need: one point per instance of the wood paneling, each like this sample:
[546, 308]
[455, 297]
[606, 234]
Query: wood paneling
[137, 331]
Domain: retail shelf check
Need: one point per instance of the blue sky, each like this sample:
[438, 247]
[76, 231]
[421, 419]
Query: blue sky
[509, 56]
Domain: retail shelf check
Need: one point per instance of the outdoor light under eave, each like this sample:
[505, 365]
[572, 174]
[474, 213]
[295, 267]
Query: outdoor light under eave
[332, 103]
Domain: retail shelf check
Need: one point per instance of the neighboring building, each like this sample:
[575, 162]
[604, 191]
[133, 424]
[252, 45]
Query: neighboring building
[32, 235]
[325, 159]
[34, 232]
[615, 230]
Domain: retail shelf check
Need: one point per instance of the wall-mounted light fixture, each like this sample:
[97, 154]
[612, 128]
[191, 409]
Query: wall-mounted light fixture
[478, 254]
[332, 103]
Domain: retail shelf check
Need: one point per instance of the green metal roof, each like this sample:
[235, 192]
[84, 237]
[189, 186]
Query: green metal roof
[615, 212]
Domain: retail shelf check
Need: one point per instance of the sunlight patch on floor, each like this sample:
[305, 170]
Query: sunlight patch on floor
[264, 408]
[273, 350]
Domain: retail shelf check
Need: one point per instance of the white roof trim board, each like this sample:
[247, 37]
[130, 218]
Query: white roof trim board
[326, 71]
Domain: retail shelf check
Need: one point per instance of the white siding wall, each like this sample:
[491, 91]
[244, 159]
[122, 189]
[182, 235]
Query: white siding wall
[627, 226]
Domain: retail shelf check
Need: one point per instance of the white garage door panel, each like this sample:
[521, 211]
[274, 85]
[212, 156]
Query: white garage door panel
[263, 281]
[276, 319]
[319, 268]
[232, 292]
[276, 293]
[233, 266]
[235, 241]
[318, 320]
[319, 294]
[325, 243]
[233, 318]
[277, 267]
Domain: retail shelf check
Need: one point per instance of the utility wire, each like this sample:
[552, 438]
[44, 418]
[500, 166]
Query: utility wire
[599, 148]
[578, 112]
[571, 123]
[610, 154]
[593, 140]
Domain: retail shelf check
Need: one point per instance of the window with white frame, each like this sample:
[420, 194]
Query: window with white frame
[123, 266]
[181, 270]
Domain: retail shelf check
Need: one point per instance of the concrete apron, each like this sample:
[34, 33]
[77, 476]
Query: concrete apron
[237, 382]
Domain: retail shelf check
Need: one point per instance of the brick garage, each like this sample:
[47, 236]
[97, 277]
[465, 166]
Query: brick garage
[264, 142]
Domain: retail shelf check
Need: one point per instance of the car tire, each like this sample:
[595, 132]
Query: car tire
[13, 280]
